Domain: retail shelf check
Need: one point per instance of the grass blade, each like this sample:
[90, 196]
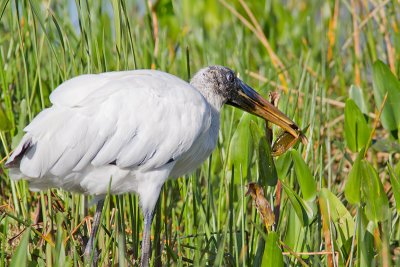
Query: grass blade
[20, 257]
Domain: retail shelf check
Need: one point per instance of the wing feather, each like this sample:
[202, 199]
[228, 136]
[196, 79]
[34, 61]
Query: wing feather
[131, 119]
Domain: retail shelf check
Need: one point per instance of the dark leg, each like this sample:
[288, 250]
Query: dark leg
[90, 248]
[146, 251]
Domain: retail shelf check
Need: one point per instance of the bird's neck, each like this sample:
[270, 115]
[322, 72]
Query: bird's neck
[215, 100]
[214, 127]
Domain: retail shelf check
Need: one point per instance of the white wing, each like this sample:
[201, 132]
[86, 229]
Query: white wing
[129, 119]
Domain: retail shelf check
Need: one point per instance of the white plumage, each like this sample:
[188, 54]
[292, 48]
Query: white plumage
[118, 125]
[136, 128]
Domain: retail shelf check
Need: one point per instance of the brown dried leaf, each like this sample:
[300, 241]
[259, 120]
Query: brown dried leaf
[262, 204]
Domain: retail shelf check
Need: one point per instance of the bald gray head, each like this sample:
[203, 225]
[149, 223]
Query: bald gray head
[216, 84]
[219, 85]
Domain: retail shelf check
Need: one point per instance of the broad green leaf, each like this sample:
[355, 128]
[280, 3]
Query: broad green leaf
[5, 124]
[240, 147]
[339, 215]
[352, 190]
[20, 257]
[296, 235]
[258, 256]
[366, 240]
[356, 130]
[385, 81]
[376, 201]
[303, 211]
[168, 18]
[272, 253]
[306, 181]
[266, 165]
[356, 94]
[395, 182]
[283, 165]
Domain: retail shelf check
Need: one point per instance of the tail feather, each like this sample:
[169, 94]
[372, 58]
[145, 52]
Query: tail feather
[15, 159]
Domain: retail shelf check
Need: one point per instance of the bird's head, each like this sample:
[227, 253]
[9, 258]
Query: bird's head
[220, 85]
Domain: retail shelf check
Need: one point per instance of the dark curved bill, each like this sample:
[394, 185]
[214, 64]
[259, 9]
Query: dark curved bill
[250, 101]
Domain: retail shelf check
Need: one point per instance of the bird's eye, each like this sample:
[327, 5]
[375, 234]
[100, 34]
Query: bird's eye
[230, 77]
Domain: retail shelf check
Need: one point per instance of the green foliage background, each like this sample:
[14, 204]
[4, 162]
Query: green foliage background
[340, 193]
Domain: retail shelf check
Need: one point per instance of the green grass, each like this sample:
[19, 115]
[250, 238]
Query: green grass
[335, 199]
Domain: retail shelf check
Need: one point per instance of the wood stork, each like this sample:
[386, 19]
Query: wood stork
[136, 128]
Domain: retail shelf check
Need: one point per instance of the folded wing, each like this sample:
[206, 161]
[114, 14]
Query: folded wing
[134, 119]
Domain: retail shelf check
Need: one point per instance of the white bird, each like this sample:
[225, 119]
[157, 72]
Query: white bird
[133, 128]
